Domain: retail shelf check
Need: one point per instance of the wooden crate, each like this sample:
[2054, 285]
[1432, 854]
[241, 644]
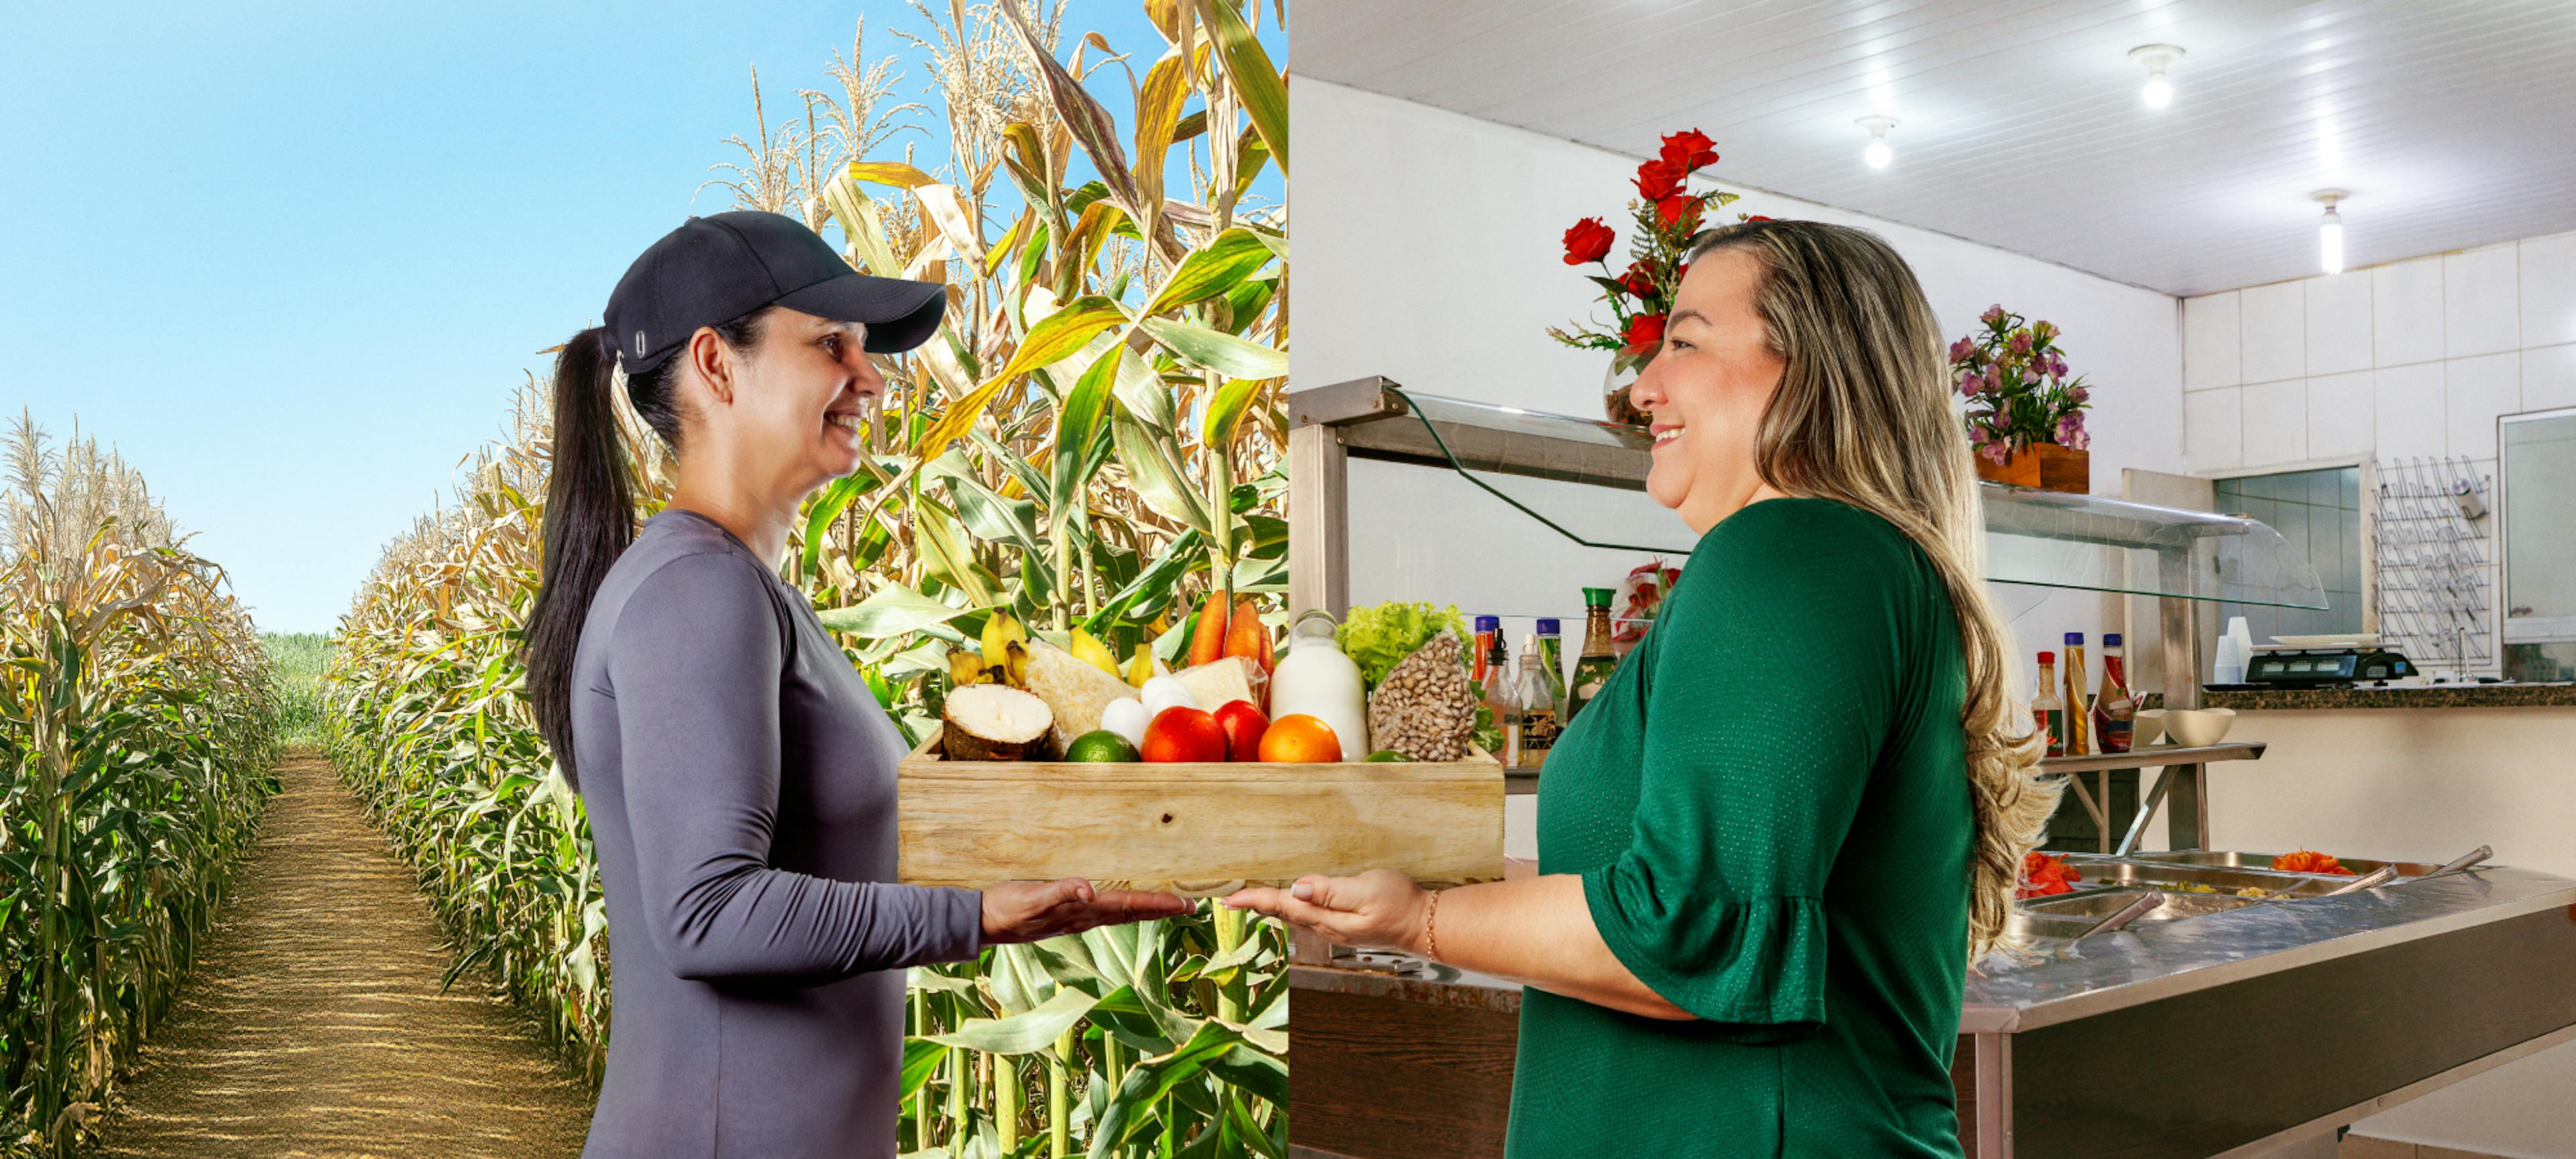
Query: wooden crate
[1195, 829]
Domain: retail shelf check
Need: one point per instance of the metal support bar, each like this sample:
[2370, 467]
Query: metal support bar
[2147, 808]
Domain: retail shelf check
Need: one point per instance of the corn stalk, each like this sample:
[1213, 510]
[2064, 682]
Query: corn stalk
[137, 727]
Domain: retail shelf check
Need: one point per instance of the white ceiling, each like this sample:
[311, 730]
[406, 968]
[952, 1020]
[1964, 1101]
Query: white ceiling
[2019, 122]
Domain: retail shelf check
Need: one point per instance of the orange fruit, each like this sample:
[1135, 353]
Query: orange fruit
[1300, 739]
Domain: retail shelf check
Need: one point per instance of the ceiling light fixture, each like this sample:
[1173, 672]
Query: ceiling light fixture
[1878, 153]
[2157, 58]
[2330, 233]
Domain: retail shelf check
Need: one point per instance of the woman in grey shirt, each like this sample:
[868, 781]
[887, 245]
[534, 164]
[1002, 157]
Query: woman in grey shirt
[738, 774]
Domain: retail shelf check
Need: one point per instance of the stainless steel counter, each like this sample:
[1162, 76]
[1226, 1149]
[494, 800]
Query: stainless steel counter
[2157, 960]
[2218, 1034]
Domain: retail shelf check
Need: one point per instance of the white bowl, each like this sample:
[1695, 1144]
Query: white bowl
[2198, 726]
[2149, 725]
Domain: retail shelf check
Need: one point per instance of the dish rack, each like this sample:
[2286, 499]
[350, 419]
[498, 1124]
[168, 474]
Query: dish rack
[2428, 541]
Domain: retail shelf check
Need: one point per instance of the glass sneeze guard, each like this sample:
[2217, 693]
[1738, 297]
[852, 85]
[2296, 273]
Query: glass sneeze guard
[1585, 479]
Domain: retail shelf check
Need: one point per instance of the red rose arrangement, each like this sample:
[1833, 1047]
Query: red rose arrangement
[1666, 215]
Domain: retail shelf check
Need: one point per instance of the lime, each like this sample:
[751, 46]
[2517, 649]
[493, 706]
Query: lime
[1098, 746]
[1389, 755]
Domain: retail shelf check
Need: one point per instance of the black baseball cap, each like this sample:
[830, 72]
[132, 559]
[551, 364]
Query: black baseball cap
[717, 268]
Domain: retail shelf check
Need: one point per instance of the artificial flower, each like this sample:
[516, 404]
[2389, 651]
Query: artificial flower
[1659, 179]
[1679, 211]
[1588, 241]
[1645, 330]
[1689, 148]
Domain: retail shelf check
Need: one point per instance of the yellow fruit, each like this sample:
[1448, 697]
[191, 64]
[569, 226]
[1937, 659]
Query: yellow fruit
[1006, 652]
[966, 668]
[1140, 669]
[1087, 647]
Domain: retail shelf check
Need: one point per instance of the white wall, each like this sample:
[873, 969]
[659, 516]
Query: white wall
[1429, 252]
[2409, 359]
[2404, 360]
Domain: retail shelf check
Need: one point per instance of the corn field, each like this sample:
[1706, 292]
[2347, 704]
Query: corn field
[137, 730]
[1093, 438]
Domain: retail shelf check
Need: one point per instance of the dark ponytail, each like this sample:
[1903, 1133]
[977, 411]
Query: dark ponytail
[589, 520]
[590, 506]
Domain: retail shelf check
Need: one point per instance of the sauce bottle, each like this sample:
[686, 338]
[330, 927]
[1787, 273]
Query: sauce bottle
[1551, 667]
[2115, 710]
[2077, 713]
[1536, 700]
[2047, 712]
[1592, 669]
[1315, 679]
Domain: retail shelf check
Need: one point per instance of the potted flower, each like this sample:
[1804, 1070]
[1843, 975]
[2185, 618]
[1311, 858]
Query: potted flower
[2025, 417]
[1666, 216]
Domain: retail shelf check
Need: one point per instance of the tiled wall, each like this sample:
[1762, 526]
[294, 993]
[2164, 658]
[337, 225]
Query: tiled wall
[2407, 359]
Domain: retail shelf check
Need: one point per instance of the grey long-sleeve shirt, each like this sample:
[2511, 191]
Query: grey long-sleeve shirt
[740, 781]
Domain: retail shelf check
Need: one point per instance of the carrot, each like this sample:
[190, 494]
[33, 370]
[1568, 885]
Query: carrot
[1207, 642]
[1245, 632]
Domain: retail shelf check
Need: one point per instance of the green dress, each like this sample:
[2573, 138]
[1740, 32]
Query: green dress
[1769, 806]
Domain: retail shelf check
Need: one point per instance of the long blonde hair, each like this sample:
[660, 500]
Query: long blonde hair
[1863, 416]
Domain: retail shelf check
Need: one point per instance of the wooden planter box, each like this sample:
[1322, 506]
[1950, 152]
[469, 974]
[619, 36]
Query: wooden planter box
[1195, 829]
[2046, 466]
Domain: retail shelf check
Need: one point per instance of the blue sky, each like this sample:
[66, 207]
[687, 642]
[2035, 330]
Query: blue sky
[292, 259]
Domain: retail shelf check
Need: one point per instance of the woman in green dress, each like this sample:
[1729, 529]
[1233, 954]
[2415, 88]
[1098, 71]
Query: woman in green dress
[1772, 844]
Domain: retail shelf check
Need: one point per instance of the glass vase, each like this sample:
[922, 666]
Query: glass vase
[1625, 366]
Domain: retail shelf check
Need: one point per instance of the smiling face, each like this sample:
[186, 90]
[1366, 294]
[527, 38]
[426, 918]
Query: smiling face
[790, 411]
[1706, 390]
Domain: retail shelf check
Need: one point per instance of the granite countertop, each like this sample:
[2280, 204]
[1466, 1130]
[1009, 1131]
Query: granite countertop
[2247, 698]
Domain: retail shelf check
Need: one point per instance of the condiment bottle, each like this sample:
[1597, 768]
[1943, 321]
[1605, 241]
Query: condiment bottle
[1537, 703]
[1551, 666]
[1494, 681]
[2077, 712]
[2115, 711]
[1592, 669]
[1315, 679]
[1489, 631]
[2047, 712]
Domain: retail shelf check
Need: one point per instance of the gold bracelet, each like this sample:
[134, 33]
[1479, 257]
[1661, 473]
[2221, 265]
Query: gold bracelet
[1430, 942]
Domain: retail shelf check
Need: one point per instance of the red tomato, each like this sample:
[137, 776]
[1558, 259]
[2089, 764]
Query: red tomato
[1183, 734]
[1243, 726]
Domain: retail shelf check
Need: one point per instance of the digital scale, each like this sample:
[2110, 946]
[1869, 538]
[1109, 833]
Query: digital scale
[2334, 665]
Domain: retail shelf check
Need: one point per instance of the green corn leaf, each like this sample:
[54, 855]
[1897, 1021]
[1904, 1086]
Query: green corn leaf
[1212, 269]
[921, 1058]
[1224, 353]
[1226, 410]
[1256, 82]
[1156, 475]
[1023, 1033]
[1061, 334]
[893, 610]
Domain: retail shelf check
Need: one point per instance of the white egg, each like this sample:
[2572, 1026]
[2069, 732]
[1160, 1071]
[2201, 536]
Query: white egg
[1164, 692]
[1127, 716]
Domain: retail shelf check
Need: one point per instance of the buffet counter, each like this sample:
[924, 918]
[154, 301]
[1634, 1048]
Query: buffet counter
[2245, 698]
[2226, 1033]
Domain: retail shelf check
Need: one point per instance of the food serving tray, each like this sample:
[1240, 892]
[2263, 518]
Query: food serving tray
[1195, 829]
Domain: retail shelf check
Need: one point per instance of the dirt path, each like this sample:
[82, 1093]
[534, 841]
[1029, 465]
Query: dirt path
[313, 1026]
